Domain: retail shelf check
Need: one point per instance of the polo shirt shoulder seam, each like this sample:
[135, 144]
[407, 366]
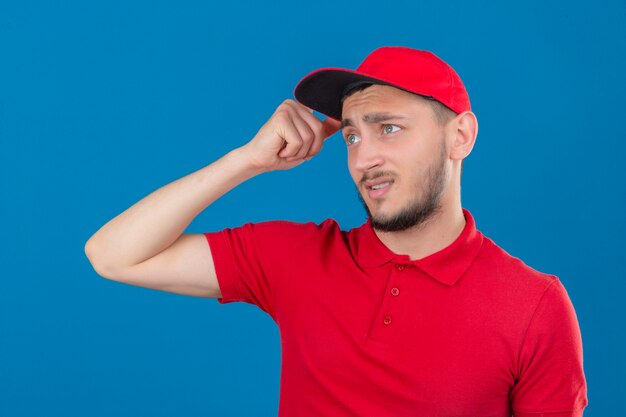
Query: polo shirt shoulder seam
[532, 316]
[518, 263]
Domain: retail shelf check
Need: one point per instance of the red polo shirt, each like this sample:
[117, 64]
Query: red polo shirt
[467, 331]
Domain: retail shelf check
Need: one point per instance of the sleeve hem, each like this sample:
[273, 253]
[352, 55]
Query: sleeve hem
[573, 413]
[224, 267]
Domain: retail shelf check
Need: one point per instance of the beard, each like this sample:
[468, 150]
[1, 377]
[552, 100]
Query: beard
[419, 210]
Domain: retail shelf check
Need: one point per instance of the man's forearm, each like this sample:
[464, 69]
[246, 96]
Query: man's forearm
[292, 135]
[156, 221]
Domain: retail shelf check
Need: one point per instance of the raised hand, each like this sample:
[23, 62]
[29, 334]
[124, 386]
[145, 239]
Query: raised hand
[292, 135]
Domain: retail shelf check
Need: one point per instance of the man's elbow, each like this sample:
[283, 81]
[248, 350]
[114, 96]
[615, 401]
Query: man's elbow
[100, 268]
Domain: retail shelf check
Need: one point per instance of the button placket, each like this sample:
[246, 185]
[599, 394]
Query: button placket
[382, 330]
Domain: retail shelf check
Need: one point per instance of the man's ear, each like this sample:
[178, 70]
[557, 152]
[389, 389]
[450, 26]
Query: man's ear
[465, 131]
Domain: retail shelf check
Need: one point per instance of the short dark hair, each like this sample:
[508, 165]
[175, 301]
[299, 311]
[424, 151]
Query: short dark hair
[442, 113]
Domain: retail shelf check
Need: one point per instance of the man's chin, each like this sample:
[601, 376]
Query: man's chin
[384, 223]
[380, 220]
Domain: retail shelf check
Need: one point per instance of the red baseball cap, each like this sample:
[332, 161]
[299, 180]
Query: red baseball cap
[412, 70]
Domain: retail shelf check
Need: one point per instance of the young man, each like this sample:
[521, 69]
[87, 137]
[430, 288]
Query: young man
[415, 313]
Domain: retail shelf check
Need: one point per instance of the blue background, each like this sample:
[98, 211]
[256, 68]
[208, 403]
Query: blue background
[103, 102]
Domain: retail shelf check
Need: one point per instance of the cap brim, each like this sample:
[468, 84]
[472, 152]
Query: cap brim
[323, 89]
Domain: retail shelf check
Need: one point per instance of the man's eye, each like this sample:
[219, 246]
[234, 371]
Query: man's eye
[351, 139]
[390, 128]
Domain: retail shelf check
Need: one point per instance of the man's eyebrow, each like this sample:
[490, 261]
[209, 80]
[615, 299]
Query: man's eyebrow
[373, 118]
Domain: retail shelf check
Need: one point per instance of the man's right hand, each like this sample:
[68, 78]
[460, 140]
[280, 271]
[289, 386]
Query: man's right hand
[292, 135]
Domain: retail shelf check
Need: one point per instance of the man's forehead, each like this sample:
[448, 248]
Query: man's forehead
[387, 99]
[382, 105]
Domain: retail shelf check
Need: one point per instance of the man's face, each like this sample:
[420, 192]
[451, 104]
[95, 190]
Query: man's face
[396, 156]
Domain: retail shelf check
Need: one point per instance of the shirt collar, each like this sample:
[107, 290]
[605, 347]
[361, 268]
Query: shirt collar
[446, 265]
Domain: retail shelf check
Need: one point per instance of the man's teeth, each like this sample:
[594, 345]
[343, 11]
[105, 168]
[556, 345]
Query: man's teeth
[381, 185]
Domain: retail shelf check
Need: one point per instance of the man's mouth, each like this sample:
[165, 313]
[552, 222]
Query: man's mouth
[378, 183]
[378, 188]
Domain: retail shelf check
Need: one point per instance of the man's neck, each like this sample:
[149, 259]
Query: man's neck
[436, 234]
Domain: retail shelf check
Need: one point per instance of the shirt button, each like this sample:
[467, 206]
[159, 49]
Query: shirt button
[400, 267]
[387, 320]
[395, 291]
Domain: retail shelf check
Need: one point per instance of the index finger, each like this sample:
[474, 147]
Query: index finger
[330, 126]
[307, 108]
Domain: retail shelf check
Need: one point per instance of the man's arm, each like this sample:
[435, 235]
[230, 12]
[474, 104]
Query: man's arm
[145, 245]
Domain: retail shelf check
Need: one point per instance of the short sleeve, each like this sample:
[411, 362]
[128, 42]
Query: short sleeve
[550, 380]
[251, 260]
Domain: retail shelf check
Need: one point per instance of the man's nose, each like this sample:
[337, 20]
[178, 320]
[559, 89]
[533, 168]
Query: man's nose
[368, 154]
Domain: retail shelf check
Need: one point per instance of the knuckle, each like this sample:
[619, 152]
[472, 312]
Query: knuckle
[282, 110]
[295, 142]
[309, 136]
[318, 128]
[315, 149]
